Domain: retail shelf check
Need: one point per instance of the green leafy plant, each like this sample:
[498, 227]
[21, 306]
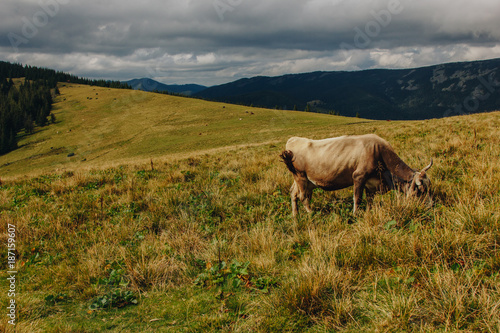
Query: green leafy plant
[265, 283]
[58, 298]
[299, 248]
[221, 275]
[114, 285]
[116, 298]
[390, 225]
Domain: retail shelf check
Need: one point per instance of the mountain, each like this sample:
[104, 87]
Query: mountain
[419, 93]
[152, 85]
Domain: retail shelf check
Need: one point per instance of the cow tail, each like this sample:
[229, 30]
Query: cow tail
[287, 157]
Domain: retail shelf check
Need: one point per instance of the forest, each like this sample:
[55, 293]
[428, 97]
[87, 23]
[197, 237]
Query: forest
[28, 104]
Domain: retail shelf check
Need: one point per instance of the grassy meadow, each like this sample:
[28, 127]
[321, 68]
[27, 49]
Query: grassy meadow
[103, 126]
[204, 241]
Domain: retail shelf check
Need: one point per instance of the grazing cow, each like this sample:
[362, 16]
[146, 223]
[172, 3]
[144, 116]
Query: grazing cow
[365, 161]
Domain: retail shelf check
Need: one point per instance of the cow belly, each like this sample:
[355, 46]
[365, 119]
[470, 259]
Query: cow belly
[330, 185]
[334, 187]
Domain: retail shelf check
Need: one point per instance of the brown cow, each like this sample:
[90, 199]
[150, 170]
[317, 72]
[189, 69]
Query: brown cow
[365, 161]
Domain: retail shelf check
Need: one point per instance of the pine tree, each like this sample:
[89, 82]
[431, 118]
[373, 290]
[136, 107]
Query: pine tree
[29, 127]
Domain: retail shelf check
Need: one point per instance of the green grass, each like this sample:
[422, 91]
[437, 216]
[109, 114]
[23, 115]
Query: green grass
[205, 242]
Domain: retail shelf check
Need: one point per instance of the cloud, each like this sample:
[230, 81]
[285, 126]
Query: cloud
[216, 41]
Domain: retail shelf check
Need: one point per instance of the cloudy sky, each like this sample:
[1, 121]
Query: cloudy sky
[216, 41]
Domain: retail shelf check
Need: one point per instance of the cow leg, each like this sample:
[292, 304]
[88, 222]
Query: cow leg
[359, 185]
[302, 191]
[294, 195]
[307, 199]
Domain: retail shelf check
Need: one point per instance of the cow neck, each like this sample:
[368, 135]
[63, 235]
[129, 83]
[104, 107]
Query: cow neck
[397, 167]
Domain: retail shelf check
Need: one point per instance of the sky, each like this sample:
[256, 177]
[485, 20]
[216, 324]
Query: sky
[212, 42]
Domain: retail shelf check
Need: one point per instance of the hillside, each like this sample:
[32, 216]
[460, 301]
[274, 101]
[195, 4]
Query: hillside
[29, 101]
[96, 125]
[146, 84]
[205, 242]
[420, 93]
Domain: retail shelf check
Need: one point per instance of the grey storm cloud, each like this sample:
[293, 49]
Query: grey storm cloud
[215, 41]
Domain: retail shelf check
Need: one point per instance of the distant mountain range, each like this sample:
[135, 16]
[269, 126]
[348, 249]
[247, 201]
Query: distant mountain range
[152, 85]
[420, 93]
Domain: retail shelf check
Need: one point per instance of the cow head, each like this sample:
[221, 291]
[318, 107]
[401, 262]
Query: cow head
[421, 184]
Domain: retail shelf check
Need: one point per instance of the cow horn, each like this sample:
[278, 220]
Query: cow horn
[427, 167]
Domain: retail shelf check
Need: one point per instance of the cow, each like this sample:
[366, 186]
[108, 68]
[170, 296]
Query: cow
[363, 161]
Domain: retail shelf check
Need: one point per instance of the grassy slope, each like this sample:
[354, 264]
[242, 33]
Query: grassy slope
[100, 125]
[401, 266]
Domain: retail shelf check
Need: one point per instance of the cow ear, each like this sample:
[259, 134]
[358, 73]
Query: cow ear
[418, 181]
